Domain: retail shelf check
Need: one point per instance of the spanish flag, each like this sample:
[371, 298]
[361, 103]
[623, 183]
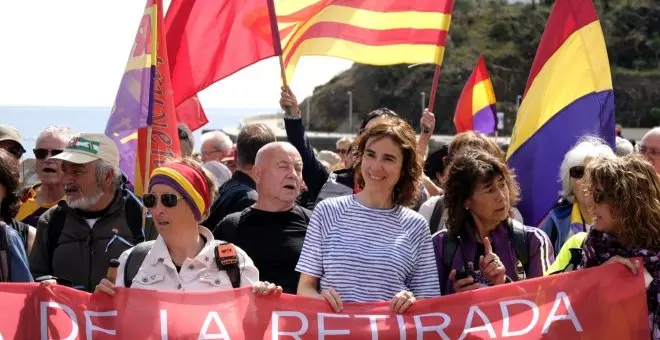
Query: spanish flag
[144, 103]
[569, 94]
[375, 32]
[476, 105]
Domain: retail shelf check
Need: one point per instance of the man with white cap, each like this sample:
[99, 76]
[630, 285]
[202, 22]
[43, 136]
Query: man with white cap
[10, 140]
[96, 223]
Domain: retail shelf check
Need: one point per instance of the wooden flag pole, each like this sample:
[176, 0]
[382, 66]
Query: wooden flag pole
[145, 180]
[434, 87]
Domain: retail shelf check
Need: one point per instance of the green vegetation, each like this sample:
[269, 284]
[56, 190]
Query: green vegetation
[508, 37]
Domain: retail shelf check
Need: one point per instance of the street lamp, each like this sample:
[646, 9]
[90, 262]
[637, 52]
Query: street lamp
[350, 111]
[518, 99]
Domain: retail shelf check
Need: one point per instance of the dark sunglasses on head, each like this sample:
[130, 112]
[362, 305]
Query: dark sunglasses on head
[43, 153]
[168, 200]
[576, 172]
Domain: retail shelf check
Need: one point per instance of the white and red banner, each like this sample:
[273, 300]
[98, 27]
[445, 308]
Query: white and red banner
[602, 303]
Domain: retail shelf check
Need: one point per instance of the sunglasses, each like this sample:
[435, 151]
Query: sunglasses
[598, 196]
[168, 200]
[43, 153]
[576, 172]
[16, 150]
[342, 151]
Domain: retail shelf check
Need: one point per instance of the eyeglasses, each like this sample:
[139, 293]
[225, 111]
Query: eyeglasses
[651, 152]
[342, 151]
[168, 200]
[576, 172]
[43, 153]
[209, 153]
[16, 150]
[598, 196]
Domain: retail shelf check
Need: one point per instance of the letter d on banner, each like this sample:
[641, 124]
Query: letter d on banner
[43, 315]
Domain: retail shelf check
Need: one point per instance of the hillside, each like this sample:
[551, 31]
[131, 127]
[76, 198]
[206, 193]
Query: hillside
[508, 36]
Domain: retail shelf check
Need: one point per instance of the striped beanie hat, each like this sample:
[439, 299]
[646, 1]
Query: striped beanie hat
[188, 181]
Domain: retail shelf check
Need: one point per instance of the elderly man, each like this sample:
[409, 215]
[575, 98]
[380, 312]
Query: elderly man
[50, 189]
[650, 147]
[10, 140]
[272, 231]
[215, 146]
[96, 223]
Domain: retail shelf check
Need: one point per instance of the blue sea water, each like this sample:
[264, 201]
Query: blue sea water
[30, 121]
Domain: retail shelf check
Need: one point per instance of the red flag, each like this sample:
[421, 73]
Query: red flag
[191, 113]
[208, 40]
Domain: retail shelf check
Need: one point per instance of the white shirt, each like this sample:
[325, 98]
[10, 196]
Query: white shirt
[158, 272]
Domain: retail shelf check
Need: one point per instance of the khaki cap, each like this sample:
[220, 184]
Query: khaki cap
[88, 147]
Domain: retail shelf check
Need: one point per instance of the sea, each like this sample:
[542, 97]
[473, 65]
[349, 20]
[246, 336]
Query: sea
[30, 121]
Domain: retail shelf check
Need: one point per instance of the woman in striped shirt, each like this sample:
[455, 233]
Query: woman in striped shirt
[370, 246]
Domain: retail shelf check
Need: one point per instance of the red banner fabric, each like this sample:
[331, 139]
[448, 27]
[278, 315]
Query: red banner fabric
[602, 303]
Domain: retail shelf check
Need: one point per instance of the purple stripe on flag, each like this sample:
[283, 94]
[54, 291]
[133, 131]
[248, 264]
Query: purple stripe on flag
[537, 161]
[484, 120]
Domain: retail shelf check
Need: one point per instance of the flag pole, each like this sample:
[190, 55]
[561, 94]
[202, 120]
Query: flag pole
[434, 87]
[145, 180]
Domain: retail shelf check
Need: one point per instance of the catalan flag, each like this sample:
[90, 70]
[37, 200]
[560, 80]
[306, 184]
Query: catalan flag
[376, 32]
[143, 122]
[569, 94]
[476, 105]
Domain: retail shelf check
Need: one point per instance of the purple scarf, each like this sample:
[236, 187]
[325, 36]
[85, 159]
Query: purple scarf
[599, 247]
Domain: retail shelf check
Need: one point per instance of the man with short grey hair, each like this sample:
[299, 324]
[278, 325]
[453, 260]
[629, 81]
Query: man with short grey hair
[216, 145]
[97, 222]
[650, 147]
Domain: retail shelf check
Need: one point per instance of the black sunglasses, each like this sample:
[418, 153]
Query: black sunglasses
[168, 200]
[43, 153]
[16, 150]
[576, 172]
[598, 196]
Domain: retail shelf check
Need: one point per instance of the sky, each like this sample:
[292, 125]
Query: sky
[73, 53]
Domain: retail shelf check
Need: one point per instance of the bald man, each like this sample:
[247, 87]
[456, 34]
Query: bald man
[272, 230]
[650, 147]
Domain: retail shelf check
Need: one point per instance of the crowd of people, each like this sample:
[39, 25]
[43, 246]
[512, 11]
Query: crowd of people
[380, 219]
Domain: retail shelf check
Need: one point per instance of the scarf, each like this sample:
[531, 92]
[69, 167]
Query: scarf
[600, 247]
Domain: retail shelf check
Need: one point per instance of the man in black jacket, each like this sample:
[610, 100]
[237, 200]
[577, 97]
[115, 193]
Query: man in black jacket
[239, 192]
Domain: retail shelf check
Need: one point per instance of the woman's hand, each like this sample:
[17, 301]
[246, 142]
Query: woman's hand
[402, 301]
[632, 265]
[462, 285]
[288, 102]
[106, 286]
[266, 288]
[333, 299]
[491, 266]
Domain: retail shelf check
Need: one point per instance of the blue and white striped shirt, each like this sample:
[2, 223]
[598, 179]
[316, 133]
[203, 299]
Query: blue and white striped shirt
[368, 254]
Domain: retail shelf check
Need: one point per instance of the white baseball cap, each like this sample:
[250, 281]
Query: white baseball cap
[88, 147]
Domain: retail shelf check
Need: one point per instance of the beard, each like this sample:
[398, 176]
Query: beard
[86, 201]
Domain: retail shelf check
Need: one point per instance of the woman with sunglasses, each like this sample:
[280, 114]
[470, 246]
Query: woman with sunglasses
[570, 215]
[183, 257]
[626, 222]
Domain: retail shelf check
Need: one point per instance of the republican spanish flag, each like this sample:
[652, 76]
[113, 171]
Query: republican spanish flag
[376, 32]
[476, 105]
[569, 94]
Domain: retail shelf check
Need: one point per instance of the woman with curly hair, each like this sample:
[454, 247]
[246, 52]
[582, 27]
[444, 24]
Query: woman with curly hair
[482, 245]
[370, 246]
[13, 258]
[626, 222]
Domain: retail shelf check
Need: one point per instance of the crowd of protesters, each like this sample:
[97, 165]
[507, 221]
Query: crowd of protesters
[380, 219]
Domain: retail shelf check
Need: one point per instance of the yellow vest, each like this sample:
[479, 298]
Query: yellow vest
[564, 256]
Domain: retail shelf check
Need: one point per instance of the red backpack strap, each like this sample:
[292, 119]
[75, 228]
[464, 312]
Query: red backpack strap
[226, 258]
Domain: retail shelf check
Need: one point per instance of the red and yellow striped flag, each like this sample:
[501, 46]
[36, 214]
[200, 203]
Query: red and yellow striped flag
[375, 32]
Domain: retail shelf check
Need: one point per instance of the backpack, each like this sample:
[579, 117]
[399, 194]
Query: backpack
[5, 254]
[436, 215]
[516, 235]
[56, 224]
[226, 258]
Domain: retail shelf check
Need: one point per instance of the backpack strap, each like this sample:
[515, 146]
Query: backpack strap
[134, 261]
[450, 246]
[226, 257]
[5, 254]
[436, 216]
[55, 226]
[519, 242]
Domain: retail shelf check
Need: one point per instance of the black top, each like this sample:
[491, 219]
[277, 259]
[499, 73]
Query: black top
[22, 229]
[273, 240]
[238, 193]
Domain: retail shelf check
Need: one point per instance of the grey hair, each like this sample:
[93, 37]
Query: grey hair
[219, 139]
[623, 147]
[587, 147]
[58, 130]
[187, 143]
[102, 168]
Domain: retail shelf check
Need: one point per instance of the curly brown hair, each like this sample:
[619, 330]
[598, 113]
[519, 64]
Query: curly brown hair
[401, 133]
[469, 168]
[631, 187]
[473, 140]
[9, 179]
